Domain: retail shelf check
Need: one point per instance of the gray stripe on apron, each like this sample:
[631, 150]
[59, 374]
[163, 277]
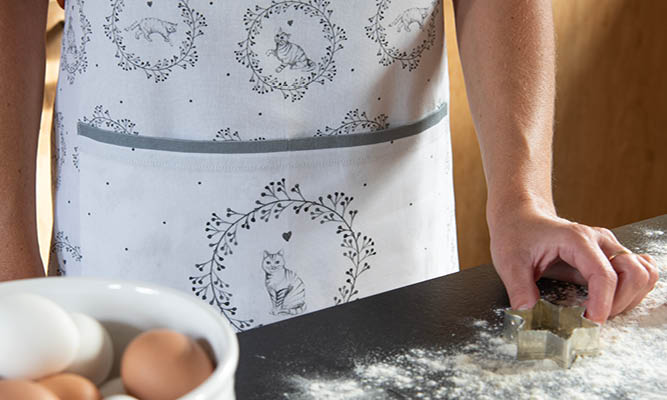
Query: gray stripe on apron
[267, 146]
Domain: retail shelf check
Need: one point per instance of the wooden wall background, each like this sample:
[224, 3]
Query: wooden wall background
[610, 149]
[611, 117]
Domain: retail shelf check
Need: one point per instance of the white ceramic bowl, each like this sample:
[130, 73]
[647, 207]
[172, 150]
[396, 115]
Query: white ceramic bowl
[128, 308]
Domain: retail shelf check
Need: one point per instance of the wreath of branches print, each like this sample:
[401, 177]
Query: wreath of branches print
[326, 69]
[69, 46]
[60, 151]
[76, 158]
[389, 54]
[160, 70]
[227, 135]
[274, 200]
[61, 245]
[354, 121]
[102, 119]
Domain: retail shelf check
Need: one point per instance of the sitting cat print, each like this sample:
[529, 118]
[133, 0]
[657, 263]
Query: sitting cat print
[410, 16]
[286, 289]
[290, 54]
[147, 26]
[70, 41]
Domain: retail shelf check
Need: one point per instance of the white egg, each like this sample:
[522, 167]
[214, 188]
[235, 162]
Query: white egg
[37, 337]
[113, 387]
[120, 397]
[95, 355]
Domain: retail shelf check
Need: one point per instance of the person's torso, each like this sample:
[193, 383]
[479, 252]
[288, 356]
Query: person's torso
[271, 157]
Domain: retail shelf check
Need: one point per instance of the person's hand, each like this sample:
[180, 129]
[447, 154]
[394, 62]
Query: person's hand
[527, 244]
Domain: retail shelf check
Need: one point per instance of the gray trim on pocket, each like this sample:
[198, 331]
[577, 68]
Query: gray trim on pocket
[266, 146]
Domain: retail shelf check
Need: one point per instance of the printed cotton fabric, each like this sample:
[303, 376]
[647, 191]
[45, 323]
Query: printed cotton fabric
[261, 235]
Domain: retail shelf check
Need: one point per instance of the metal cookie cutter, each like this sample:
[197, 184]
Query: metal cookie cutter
[550, 331]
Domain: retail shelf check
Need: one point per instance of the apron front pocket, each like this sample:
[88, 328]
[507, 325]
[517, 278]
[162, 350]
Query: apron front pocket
[264, 231]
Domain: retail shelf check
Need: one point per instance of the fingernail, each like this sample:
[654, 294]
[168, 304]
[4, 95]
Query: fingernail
[599, 321]
[524, 307]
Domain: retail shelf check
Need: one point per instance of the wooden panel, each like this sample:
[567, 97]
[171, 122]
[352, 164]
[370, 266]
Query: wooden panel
[610, 167]
[611, 114]
[469, 184]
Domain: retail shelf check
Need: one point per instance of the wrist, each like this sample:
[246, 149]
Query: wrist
[502, 209]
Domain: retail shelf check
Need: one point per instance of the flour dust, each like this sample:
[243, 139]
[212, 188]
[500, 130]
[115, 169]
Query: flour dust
[632, 363]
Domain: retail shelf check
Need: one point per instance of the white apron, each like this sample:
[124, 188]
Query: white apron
[272, 159]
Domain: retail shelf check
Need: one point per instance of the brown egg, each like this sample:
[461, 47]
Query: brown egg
[17, 389]
[69, 386]
[163, 365]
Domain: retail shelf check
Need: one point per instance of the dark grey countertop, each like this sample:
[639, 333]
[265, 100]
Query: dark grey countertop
[432, 313]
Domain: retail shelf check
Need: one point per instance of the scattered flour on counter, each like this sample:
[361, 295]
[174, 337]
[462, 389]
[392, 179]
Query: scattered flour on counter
[656, 245]
[335, 389]
[632, 364]
[480, 323]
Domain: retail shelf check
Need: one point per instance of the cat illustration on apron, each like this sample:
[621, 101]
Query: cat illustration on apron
[272, 159]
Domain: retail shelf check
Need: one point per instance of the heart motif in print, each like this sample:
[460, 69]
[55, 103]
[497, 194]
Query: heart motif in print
[288, 60]
[156, 39]
[329, 221]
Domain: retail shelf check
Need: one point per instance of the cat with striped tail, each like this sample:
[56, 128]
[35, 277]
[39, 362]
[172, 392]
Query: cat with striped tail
[286, 290]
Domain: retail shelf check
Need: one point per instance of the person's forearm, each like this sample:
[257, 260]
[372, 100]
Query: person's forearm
[22, 58]
[507, 52]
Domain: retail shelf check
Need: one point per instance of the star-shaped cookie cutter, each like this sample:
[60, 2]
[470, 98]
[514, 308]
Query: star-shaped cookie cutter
[550, 331]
